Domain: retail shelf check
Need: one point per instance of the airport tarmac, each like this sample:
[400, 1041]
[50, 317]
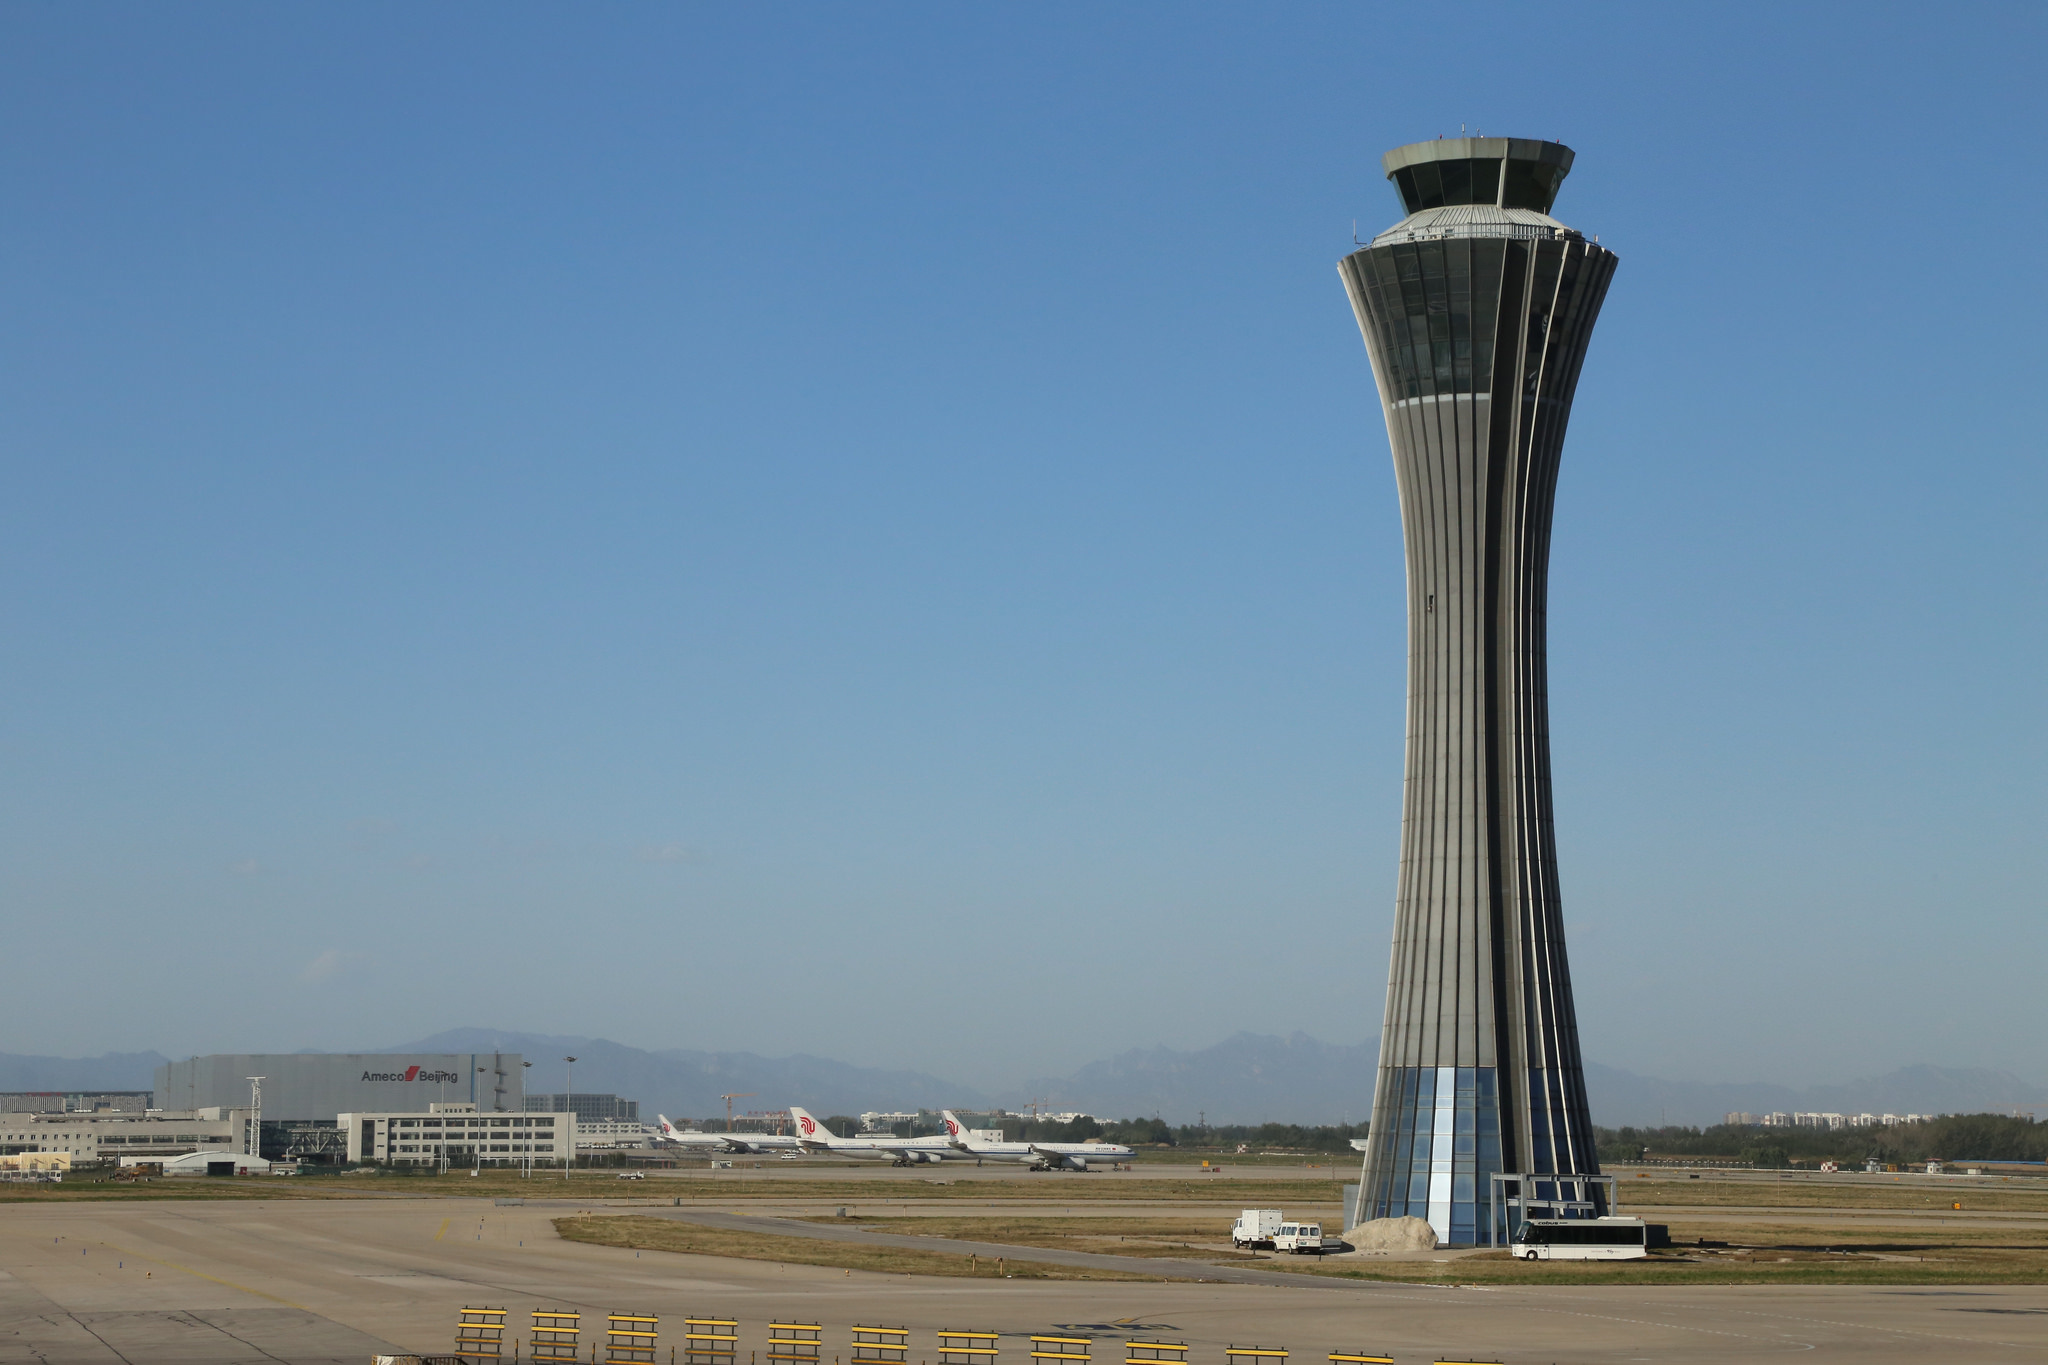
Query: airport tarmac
[314, 1281]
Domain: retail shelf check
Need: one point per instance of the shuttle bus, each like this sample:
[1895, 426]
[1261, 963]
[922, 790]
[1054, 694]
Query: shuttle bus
[1581, 1239]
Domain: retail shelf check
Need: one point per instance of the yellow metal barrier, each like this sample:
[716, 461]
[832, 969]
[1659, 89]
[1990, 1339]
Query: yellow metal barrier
[1061, 1348]
[630, 1338]
[880, 1345]
[554, 1337]
[799, 1342]
[710, 1341]
[1358, 1358]
[1155, 1353]
[966, 1348]
[480, 1334]
[1254, 1355]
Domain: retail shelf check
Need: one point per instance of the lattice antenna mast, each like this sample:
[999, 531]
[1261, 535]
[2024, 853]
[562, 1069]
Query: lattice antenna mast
[254, 1145]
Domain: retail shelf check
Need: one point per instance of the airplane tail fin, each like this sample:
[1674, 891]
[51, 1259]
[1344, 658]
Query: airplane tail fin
[668, 1130]
[956, 1131]
[808, 1129]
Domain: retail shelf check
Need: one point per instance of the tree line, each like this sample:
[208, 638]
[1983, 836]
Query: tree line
[1953, 1137]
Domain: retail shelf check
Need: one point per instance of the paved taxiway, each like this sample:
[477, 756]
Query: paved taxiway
[312, 1281]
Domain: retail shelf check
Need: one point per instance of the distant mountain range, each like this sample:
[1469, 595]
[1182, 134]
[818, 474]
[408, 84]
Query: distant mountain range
[114, 1071]
[679, 1082]
[1247, 1078]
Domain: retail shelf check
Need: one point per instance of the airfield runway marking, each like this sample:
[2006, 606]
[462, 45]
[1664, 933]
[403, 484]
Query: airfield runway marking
[188, 1270]
[444, 1230]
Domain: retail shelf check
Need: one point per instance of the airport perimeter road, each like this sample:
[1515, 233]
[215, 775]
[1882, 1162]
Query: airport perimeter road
[316, 1281]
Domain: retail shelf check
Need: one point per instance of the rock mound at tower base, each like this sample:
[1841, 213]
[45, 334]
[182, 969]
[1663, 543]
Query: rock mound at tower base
[1393, 1234]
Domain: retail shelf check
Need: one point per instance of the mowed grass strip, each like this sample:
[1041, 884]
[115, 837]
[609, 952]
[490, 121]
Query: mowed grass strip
[1175, 1238]
[1749, 1255]
[2023, 1195]
[639, 1233]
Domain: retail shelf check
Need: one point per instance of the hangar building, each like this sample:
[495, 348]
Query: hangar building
[316, 1086]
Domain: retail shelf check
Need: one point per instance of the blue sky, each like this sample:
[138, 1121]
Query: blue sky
[868, 531]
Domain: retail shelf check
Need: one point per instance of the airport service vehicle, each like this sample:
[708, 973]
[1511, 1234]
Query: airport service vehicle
[749, 1144]
[1581, 1239]
[814, 1136]
[632, 1175]
[1255, 1228]
[1301, 1239]
[1040, 1156]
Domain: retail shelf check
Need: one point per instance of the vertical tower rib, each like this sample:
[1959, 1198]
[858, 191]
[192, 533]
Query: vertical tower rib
[1476, 311]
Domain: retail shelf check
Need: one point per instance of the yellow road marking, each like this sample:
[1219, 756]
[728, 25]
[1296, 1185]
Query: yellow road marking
[443, 1232]
[173, 1265]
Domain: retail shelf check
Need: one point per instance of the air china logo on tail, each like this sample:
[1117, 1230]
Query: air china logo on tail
[810, 1128]
[412, 1073]
[953, 1128]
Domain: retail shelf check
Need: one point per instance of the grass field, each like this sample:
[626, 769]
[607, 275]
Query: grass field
[1178, 1237]
[1717, 1253]
[662, 1234]
[1755, 1255]
[1881, 1192]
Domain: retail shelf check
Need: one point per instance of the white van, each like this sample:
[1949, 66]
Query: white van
[1300, 1238]
[1581, 1239]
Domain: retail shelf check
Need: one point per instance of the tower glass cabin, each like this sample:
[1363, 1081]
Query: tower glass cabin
[1476, 310]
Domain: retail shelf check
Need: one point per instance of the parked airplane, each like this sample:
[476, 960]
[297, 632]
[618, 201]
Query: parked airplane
[744, 1143]
[816, 1137]
[1047, 1156]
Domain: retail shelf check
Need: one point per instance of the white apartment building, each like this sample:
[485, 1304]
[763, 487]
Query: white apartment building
[461, 1135]
[1830, 1121]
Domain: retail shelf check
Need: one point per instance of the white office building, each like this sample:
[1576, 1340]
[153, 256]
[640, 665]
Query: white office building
[459, 1135]
[110, 1136]
[608, 1135]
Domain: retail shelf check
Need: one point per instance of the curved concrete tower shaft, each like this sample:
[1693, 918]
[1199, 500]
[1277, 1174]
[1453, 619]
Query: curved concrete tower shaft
[1476, 309]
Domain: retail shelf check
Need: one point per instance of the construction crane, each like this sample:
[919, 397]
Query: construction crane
[736, 1095]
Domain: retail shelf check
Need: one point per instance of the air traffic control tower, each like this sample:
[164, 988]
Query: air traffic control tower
[1476, 310]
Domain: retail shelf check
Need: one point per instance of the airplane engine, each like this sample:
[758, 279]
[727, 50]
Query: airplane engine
[920, 1157]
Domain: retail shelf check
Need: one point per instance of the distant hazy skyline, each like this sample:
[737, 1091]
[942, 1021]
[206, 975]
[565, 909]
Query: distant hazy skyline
[870, 533]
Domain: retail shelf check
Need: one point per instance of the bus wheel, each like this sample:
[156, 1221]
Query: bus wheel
[1528, 1255]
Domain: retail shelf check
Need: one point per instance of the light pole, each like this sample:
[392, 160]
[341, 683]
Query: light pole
[528, 1163]
[569, 1104]
[476, 1146]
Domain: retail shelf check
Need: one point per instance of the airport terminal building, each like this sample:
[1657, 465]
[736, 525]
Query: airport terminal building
[316, 1086]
